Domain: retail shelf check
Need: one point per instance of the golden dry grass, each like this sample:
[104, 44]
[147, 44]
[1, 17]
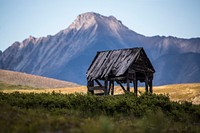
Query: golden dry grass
[181, 92]
[176, 92]
[18, 78]
[68, 90]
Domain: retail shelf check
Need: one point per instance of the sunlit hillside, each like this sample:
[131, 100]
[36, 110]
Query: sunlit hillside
[181, 92]
[177, 92]
[24, 79]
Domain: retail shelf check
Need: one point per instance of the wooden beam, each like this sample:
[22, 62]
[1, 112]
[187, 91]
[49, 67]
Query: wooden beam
[151, 86]
[89, 85]
[109, 88]
[146, 82]
[96, 88]
[118, 78]
[97, 81]
[112, 87]
[106, 87]
[135, 86]
[128, 85]
[92, 92]
[118, 82]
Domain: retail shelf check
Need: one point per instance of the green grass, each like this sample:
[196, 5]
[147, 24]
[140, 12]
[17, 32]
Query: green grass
[55, 112]
[5, 86]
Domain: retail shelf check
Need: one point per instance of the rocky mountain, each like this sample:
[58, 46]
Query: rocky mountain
[177, 68]
[67, 54]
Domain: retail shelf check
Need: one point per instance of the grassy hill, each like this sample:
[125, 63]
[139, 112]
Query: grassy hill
[181, 92]
[87, 114]
[15, 81]
[176, 92]
[79, 113]
[17, 78]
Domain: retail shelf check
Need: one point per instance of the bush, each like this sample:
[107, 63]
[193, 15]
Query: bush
[55, 112]
[127, 104]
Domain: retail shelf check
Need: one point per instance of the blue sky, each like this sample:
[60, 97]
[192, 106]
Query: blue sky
[21, 18]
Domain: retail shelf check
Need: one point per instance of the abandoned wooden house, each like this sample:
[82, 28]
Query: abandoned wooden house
[120, 67]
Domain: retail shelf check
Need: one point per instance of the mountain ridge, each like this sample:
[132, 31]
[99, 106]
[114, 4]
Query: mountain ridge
[67, 54]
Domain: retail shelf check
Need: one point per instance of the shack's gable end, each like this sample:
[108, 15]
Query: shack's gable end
[116, 63]
[142, 63]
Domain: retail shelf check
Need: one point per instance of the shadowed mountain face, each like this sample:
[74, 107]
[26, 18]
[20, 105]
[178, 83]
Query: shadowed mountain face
[0, 53]
[177, 68]
[68, 54]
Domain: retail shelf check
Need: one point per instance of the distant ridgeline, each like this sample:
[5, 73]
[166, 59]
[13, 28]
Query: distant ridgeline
[68, 54]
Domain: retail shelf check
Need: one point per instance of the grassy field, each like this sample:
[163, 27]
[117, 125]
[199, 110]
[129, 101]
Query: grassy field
[24, 79]
[176, 92]
[181, 92]
[80, 113]
[28, 109]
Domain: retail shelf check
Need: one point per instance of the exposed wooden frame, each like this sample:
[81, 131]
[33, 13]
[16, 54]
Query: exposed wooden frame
[118, 82]
[135, 84]
[121, 66]
[97, 81]
[112, 87]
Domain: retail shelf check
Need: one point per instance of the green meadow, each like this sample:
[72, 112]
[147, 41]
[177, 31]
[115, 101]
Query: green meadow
[77, 113]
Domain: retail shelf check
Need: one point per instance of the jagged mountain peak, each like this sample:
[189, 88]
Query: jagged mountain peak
[30, 40]
[89, 19]
[83, 21]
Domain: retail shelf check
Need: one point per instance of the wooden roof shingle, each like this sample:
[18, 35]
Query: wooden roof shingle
[115, 61]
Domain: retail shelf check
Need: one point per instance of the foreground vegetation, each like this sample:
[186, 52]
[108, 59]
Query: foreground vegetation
[56, 112]
[176, 92]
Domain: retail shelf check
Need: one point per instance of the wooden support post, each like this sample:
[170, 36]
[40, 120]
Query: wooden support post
[128, 85]
[135, 86]
[90, 84]
[109, 88]
[106, 87]
[146, 82]
[150, 86]
[112, 87]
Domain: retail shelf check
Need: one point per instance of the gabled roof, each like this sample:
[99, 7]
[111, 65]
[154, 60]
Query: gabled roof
[115, 62]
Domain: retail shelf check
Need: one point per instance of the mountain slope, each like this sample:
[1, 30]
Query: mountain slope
[177, 68]
[67, 54]
[17, 78]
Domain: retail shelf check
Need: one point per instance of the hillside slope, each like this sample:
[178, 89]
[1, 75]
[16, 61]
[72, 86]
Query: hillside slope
[17, 78]
[177, 68]
[176, 92]
[181, 92]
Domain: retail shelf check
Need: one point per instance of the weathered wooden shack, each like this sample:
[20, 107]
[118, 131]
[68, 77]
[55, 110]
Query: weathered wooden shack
[122, 67]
